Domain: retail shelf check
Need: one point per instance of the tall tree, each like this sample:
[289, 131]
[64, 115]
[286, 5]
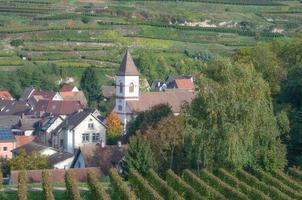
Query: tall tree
[139, 155]
[114, 130]
[90, 85]
[167, 143]
[231, 122]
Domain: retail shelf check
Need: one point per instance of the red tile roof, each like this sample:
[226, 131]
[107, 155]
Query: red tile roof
[75, 96]
[22, 140]
[57, 107]
[149, 99]
[67, 88]
[184, 84]
[5, 95]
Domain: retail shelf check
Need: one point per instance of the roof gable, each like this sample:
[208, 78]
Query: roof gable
[127, 67]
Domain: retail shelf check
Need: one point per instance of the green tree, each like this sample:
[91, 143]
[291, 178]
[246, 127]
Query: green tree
[231, 121]
[139, 155]
[31, 161]
[167, 143]
[90, 85]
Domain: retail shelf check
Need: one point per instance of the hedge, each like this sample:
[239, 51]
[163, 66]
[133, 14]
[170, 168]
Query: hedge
[257, 184]
[270, 180]
[221, 186]
[252, 193]
[96, 189]
[142, 188]
[162, 187]
[179, 185]
[120, 187]
[287, 180]
[200, 186]
[72, 190]
[47, 189]
[22, 186]
[1, 179]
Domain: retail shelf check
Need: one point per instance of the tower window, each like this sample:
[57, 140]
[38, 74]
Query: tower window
[121, 87]
[131, 88]
[120, 108]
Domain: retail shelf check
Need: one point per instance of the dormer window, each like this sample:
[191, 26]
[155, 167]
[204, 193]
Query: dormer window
[131, 88]
[121, 87]
[90, 125]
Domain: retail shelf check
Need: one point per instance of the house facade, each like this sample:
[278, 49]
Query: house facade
[7, 143]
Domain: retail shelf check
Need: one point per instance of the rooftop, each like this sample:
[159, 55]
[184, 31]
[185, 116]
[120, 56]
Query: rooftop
[127, 67]
[6, 135]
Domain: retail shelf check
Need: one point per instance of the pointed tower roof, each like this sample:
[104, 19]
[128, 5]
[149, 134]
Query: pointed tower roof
[127, 67]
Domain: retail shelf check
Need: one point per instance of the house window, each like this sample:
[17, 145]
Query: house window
[120, 108]
[4, 148]
[95, 137]
[90, 125]
[131, 88]
[121, 87]
[85, 137]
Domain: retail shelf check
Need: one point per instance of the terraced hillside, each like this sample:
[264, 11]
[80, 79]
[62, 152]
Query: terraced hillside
[76, 34]
[222, 184]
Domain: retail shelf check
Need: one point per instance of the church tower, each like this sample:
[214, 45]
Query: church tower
[126, 86]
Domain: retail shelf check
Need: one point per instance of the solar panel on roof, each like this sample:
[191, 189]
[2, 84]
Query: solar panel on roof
[5, 134]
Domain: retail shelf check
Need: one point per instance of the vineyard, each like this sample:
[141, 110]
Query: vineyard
[75, 34]
[221, 184]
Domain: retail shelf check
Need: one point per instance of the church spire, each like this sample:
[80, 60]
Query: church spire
[127, 67]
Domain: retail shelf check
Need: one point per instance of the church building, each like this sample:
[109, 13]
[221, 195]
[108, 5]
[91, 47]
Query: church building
[129, 99]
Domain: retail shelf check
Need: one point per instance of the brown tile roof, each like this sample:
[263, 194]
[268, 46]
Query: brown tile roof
[67, 88]
[186, 84]
[149, 99]
[22, 140]
[127, 67]
[75, 96]
[57, 107]
[5, 95]
[15, 108]
[103, 157]
[44, 94]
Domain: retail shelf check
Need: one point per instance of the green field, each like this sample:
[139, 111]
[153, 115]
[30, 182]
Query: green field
[81, 33]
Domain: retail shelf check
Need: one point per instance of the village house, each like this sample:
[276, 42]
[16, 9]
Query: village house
[15, 108]
[48, 125]
[72, 93]
[79, 129]
[7, 143]
[5, 95]
[129, 99]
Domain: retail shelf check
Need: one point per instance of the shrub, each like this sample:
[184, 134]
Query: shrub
[268, 179]
[1, 179]
[200, 186]
[47, 189]
[287, 180]
[222, 187]
[16, 43]
[257, 184]
[184, 189]
[161, 186]
[22, 186]
[96, 188]
[72, 190]
[142, 188]
[252, 193]
[85, 19]
[120, 187]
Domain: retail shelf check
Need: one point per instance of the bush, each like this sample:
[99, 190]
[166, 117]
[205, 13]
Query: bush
[162, 187]
[268, 179]
[252, 193]
[120, 187]
[257, 184]
[47, 189]
[142, 188]
[184, 189]
[22, 185]
[1, 179]
[16, 43]
[96, 189]
[85, 19]
[72, 190]
[287, 180]
[200, 186]
[222, 187]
